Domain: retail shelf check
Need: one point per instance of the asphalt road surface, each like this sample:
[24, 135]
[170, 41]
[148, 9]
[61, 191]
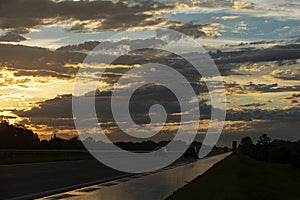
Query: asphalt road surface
[29, 181]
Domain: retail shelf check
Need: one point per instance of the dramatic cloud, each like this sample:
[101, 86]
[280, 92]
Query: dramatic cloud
[113, 45]
[88, 16]
[294, 99]
[95, 16]
[11, 37]
[64, 62]
[253, 105]
[38, 60]
[283, 52]
[250, 67]
[289, 114]
[198, 30]
[286, 74]
[57, 113]
[28, 14]
[235, 88]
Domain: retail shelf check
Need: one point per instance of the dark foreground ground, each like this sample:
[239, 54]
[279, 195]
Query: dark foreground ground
[239, 177]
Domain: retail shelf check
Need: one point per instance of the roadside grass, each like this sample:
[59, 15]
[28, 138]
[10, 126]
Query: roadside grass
[43, 156]
[240, 177]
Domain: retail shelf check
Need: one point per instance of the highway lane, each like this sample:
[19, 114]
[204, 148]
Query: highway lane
[42, 179]
[37, 178]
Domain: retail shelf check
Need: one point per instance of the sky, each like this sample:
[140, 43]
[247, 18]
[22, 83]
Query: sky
[255, 45]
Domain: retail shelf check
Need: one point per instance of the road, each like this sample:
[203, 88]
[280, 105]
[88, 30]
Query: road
[21, 180]
[158, 185]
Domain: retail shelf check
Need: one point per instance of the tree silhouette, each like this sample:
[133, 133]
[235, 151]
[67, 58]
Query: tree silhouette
[12, 136]
[246, 146]
[264, 140]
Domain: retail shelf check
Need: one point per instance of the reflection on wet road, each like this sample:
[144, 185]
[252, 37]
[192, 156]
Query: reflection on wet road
[158, 185]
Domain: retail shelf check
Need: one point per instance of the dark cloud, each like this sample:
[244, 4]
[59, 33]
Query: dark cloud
[25, 14]
[113, 45]
[294, 99]
[290, 114]
[284, 52]
[46, 73]
[188, 3]
[38, 61]
[78, 28]
[253, 43]
[235, 88]
[57, 112]
[141, 101]
[11, 37]
[223, 61]
[189, 29]
[86, 46]
[278, 124]
[44, 62]
[287, 74]
[7, 117]
[253, 105]
[20, 16]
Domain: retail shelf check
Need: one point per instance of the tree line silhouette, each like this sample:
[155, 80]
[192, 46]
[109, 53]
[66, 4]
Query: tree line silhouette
[18, 137]
[277, 151]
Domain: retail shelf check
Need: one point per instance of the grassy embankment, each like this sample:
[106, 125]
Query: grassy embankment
[239, 177]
